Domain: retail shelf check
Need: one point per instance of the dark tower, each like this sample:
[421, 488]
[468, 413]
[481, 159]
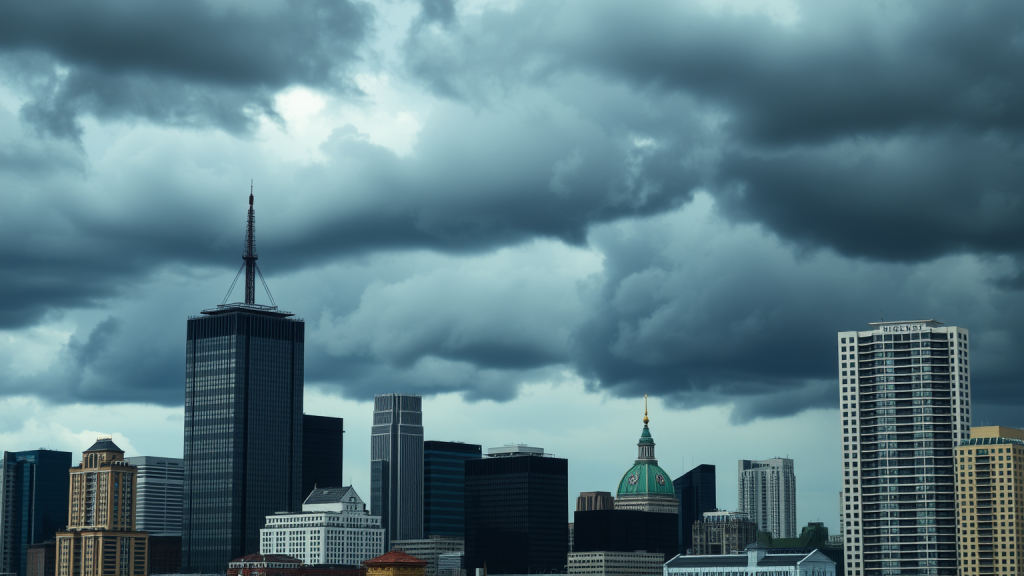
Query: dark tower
[243, 422]
[323, 440]
[696, 492]
[444, 486]
[33, 503]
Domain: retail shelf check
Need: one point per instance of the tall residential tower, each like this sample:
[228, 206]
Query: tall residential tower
[905, 404]
[396, 465]
[767, 494]
[243, 423]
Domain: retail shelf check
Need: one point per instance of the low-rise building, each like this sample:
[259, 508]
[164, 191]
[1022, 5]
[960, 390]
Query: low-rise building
[616, 563]
[451, 564]
[429, 549]
[333, 528]
[756, 562]
[721, 532]
[283, 565]
[395, 563]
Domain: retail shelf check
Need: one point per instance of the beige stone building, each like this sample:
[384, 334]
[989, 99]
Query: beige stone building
[101, 539]
[616, 563]
[988, 501]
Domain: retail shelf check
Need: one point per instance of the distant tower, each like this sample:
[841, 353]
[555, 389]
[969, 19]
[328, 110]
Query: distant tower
[767, 494]
[101, 539]
[243, 422]
[646, 486]
[697, 495]
[396, 465]
[33, 503]
[323, 439]
[444, 486]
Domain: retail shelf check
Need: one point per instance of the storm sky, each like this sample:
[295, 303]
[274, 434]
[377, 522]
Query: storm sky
[531, 213]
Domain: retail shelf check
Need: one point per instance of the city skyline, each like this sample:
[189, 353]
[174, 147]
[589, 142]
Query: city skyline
[529, 214]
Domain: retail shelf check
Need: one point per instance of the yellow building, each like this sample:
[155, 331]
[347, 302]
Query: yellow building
[988, 501]
[101, 539]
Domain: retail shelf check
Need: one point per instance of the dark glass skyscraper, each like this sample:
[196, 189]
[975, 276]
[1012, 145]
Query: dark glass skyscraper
[516, 512]
[396, 465]
[696, 493]
[33, 503]
[323, 440]
[243, 425]
[444, 486]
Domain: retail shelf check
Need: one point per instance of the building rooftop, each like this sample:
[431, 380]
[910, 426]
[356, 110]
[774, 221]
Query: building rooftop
[515, 450]
[104, 444]
[739, 560]
[930, 323]
[248, 308]
[395, 558]
[333, 495]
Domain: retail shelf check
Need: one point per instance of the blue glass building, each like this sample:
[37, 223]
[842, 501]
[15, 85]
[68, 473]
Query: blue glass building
[444, 486]
[396, 465]
[34, 503]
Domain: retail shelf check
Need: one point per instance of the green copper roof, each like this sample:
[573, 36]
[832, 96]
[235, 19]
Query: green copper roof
[645, 436]
[645, 478]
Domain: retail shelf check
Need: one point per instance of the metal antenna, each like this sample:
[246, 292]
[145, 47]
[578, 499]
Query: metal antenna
[233, 282]
[250, 256]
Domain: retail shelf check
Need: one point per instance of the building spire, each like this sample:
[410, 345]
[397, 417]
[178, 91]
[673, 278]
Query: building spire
[646, 419]
[250, 256]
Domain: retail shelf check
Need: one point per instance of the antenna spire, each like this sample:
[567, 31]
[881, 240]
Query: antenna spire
[646, 419]
[250, 256]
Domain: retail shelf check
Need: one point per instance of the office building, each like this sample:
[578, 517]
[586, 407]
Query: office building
[625, 531]
[243, 424]
[396, 465]
[165, 554]
[516, 502]
[905, 405]
[323, 445]
[722, 532]
[101, 538]
[756, 562]
[451, 564]
[616, 563]
[444, 487]
[990, 501]
[33, 503]
[281, 565]
[333, 527]
[646, 486]
[696, 493]
[767, 494]
[160, 485]
[430, 550]
[812, 537]
[587, 501]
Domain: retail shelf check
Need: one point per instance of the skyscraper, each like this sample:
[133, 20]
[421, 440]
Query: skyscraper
[696, 493]
[396, 465]
[323, 440]
[990, 502]
[243, 423]
[101, 538]
[516, 504]
[33, 503]
[444, 486]
[158, 503]
[767, 494]
[905, 404]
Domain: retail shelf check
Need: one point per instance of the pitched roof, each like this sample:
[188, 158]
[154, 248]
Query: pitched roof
[104, 444]
[276, 558]
[328, 495]
[395, 558]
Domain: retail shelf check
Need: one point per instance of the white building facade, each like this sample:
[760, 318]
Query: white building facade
[755, 562]
[905, 402]
[158, 494]
[616, 563]
[767, 494]
[334, 527]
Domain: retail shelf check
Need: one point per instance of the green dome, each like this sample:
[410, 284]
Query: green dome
[645, 478]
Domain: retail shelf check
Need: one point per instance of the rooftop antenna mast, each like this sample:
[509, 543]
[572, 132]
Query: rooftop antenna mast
[250, 256]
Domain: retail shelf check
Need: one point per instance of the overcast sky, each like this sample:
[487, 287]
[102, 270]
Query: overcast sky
[531, 213]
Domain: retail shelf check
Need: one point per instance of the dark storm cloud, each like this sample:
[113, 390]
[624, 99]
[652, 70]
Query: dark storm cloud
[190, 63]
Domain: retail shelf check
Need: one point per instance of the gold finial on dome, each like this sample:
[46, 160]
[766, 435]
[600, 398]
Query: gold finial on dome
[646, 419]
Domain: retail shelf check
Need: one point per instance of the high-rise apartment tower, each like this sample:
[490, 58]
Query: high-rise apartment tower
[990, 501]
[767, 494]
[33, 503]
[101, 538]
[905, 404]
[243, 424]
[396, 465]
